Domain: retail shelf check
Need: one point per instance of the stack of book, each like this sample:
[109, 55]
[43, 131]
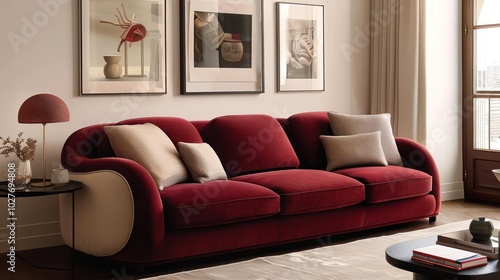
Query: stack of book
[449, 257]
[462, 239]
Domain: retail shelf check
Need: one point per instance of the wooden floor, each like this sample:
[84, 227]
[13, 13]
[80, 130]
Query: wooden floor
[85, 267]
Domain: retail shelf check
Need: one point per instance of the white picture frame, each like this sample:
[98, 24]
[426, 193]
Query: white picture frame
[131, 31]
[300, 43]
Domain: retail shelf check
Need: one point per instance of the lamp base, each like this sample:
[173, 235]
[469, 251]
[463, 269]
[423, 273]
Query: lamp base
[41, 184]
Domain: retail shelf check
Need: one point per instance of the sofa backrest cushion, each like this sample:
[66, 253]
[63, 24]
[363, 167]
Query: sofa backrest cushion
[250, 143]
[303, 130]
[177, 129]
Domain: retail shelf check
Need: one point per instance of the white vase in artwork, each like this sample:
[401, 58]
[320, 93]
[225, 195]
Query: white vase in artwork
[113, 68]
[232, 50]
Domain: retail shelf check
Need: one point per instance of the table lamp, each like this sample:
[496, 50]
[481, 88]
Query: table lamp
[43, 108]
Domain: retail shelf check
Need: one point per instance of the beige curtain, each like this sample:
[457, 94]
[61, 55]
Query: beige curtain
[397, 74]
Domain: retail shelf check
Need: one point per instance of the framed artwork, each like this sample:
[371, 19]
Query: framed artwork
[300, 47]
[221, 46]
[122, 47]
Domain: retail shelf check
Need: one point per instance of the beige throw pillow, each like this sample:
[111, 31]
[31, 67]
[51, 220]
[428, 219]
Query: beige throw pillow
[353, 150]
[202, 162]
[343, 124]
[149, 146]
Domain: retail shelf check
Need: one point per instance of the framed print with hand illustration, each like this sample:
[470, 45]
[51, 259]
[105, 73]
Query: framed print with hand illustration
[300, 47]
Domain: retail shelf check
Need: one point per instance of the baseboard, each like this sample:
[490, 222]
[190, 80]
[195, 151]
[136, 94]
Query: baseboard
[452, 191]
[32, 236]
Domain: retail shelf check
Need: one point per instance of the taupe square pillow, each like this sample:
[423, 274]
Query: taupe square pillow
[363, 149]
[343, 124]
[202, 162]
[149, 146]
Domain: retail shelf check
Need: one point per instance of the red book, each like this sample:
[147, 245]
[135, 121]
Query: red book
[449, 257]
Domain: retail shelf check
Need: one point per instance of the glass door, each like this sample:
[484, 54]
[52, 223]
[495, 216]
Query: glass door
[481, 98]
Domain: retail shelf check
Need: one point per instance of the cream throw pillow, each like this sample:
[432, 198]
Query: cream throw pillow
[353, 150]
[343, 124]
[149, 146]
[202, 162]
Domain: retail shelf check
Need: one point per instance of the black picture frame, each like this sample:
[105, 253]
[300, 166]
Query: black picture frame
[221, 46]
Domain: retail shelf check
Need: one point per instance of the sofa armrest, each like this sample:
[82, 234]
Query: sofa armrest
[416, 156]
[148, 222]
[105, 197]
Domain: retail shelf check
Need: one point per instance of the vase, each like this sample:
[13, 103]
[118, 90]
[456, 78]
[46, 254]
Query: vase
[481, 228]
[113, 68]
[23, 176]
[232, 50]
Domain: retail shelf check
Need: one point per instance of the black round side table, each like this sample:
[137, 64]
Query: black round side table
[12, 194]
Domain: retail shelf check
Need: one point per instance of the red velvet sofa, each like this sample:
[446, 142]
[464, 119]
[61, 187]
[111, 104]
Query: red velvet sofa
[277, 191]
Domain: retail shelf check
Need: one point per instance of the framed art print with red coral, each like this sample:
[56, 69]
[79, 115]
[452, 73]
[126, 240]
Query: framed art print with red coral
[122, 47]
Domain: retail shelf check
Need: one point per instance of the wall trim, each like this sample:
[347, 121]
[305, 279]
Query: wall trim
[32, 236]
[452, 191]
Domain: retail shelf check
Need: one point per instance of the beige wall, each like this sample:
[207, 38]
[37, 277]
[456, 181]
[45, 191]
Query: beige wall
[444, 92]
[47, 61]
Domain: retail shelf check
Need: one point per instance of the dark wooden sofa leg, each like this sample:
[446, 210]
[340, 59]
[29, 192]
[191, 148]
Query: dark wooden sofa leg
[432, 219]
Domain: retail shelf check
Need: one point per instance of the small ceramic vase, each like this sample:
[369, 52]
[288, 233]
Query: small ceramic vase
[481, 228]
[113, 68]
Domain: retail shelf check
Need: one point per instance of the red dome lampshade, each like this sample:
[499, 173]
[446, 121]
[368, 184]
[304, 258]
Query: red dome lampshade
[43, 108]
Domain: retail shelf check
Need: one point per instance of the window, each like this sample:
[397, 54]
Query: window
[486, 45]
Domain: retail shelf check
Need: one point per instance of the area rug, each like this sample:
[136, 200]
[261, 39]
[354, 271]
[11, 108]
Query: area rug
[362, 259]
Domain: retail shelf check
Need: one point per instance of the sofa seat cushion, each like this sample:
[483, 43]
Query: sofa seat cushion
[189, 205]
[308, 190]
[387, 183]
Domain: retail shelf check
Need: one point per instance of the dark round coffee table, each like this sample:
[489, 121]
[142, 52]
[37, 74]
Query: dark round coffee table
[399, 255]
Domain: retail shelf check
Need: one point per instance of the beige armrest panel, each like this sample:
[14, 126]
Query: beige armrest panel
[104, 213]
